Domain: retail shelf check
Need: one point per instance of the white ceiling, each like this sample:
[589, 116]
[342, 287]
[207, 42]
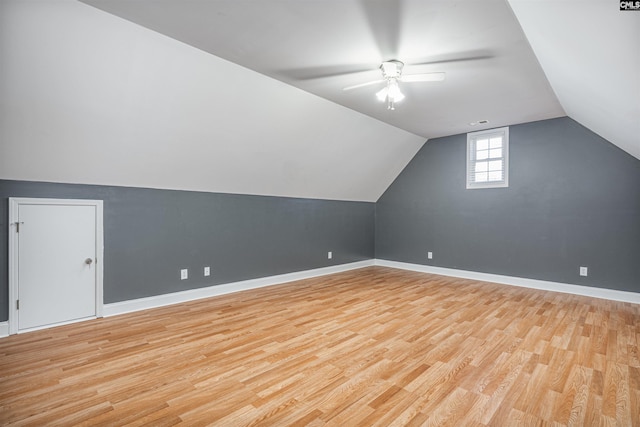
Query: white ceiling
[322, 46]
[590, 52]
[87, 97]
[166, 97]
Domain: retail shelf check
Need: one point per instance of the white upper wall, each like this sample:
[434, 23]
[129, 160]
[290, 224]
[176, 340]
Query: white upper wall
[86, 97]
[590, 53]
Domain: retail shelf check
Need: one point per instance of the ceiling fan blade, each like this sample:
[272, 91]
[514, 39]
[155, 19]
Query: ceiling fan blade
[312, 73]
[469, 55]
[362, 85]
[423, 77]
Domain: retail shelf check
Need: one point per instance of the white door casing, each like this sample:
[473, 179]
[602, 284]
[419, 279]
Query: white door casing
[55, 262]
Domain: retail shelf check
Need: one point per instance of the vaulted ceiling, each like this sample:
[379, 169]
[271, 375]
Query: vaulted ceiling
[246, 96]
[584, 62]
[589, 52]
[323, 46]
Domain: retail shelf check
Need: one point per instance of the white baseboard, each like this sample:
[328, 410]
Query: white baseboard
[4, 329]
[610, 294]
[195, 294]
[114, 309]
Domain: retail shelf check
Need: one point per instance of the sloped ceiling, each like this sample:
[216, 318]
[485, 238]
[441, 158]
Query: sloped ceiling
[322, 46]
[245, 96]
[587, 50]
[590, 53]
[87, 97]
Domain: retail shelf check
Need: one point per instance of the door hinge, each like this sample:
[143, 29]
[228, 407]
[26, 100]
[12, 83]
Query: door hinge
[17, 304]
[18, 226]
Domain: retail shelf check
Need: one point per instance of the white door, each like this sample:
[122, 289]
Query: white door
[55, 259]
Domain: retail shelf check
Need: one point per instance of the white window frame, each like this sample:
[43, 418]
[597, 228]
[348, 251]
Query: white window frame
[472, 138]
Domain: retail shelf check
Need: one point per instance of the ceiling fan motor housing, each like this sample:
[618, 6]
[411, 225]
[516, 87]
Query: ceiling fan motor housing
[392, 69]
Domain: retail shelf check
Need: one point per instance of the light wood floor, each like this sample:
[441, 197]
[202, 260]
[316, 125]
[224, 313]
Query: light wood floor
[375, 346]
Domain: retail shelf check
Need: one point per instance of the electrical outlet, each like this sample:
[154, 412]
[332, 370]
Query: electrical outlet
[430, 255]
[329, 255]
[184, 274]
[584, 271]
[207, 271]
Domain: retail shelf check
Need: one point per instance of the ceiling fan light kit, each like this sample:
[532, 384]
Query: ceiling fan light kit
[391, 71]
[391, 76]
[391, 93]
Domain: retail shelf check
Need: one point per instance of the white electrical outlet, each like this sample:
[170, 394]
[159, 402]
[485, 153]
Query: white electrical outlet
[184, 274]
[329, 255]
[207, 271]
[584, 271]
[430, 255]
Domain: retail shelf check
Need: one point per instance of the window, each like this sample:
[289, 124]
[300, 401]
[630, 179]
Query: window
[488, 158]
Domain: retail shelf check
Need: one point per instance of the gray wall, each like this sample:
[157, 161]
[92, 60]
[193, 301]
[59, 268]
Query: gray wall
[573, 200]
[149, 235]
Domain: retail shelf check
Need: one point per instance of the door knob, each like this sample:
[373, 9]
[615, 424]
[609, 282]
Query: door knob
[88, 261]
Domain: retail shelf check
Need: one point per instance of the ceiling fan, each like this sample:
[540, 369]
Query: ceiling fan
[391, 76]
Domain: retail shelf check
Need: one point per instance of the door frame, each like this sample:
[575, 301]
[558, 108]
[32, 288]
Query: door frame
[14, 204]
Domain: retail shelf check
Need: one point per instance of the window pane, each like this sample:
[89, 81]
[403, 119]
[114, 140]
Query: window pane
[482, 166]
[495, 152]
[495, 165]
[495, 176]
[482, 144]
[495, 142]
[487, 159]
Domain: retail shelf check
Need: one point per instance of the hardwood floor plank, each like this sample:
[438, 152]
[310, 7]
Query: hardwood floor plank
[571, 408]
[635, 405]
[375, 346]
